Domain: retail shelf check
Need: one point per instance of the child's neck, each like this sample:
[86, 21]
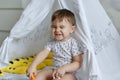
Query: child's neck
[64, 39]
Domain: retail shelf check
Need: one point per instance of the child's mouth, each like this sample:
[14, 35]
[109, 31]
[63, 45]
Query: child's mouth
[58, 35]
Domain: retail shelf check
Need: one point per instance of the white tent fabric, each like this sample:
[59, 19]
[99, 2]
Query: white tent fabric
[95, 31]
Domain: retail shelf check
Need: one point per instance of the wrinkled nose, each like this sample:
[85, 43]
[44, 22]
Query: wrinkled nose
[57, 29]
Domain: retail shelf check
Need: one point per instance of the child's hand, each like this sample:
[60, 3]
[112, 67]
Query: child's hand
[58, 73]
[31, 71]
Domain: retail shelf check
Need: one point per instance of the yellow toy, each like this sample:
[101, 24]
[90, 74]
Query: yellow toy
[15, 70]
[7, 69]
[20, 69]
[50, 55]
[48, 62]
[41, 66]
[21, 62]
[30, 59]
[1, 74]
[19, 66]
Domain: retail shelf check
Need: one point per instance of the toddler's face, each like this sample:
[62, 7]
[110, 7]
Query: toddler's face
[61, 30]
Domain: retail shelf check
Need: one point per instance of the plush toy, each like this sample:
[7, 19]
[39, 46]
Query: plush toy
[41, 66]
[30, 59]
[48, 62]
[21, 69]
[50, 55]
[1, 74]
[7, 69]
[16, 70]
[19, 66]
[19, 62]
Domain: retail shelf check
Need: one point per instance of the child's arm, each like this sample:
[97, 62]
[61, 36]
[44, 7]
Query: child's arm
[38, 59]
[73, 66]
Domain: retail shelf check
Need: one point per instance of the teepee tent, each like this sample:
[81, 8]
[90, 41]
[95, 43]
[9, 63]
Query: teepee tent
[95, 32]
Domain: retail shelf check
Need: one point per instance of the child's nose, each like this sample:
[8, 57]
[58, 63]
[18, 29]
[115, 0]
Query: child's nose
[57, 29]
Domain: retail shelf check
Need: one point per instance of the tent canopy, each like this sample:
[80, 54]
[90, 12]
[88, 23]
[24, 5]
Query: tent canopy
[95, 32]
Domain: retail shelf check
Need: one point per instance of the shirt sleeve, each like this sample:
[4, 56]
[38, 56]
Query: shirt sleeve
[75, 48]
[48, 46]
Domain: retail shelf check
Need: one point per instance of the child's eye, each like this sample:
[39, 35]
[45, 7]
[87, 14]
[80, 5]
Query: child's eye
[61, 27]
[53, 26]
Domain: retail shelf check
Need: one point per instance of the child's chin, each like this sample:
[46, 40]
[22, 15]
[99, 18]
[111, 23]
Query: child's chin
[59, 39]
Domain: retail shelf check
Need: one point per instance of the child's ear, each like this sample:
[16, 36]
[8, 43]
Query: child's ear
[73, 29]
